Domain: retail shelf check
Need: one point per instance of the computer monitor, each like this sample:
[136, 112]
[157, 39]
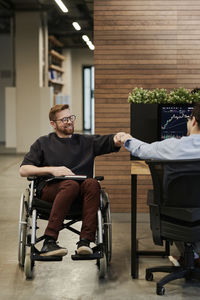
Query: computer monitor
[155, 122]
[172, 120]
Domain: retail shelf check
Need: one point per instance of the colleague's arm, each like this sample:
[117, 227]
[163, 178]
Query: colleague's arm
[30, 170]
[165, 149]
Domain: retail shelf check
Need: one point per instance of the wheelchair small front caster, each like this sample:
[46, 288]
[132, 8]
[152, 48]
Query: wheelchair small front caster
[102, 264]
[160, 290]
[28, 267]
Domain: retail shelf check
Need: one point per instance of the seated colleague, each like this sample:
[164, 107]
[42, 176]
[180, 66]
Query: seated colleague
[64, 153]
[187, 147]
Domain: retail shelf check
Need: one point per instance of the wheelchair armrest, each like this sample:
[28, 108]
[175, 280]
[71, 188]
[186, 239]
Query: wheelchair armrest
[99, 178]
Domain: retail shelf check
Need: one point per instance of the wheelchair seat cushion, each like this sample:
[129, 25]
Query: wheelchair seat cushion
[44, 208]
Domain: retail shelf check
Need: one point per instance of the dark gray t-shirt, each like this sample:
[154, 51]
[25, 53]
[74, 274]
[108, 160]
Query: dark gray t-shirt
[76, 153]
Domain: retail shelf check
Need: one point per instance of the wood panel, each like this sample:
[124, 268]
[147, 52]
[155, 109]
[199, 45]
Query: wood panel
[149, 44]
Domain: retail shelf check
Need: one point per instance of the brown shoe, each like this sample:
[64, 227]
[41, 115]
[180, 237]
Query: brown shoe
[50, 248]
[83, 247]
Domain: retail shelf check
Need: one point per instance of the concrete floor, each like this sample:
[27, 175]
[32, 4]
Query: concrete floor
[75, 280]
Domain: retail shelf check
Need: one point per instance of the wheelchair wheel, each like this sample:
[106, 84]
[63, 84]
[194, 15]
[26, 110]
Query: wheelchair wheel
[28, 265]
[23, 228]
[107, 229]
[103, 268]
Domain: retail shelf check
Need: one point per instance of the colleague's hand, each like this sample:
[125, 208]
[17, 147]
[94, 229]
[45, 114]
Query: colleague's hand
[121, 137]
[61, 171]
[117, 139]
[124, 136]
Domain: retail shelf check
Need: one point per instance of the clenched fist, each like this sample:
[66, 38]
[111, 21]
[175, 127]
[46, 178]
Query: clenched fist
[121, 137]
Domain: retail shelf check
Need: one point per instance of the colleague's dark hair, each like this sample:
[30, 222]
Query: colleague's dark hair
[196, 113]
[196, 90]
[55, 109]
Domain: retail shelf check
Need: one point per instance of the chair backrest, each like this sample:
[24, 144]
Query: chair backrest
[175, 206]
[176, 183]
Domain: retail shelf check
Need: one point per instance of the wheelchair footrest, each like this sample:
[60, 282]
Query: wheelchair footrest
[95, 255]
[38, 257]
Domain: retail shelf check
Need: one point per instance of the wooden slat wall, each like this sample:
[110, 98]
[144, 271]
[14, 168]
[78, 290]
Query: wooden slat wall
[143, 43]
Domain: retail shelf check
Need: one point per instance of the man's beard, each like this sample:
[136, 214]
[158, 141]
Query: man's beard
[66, 130]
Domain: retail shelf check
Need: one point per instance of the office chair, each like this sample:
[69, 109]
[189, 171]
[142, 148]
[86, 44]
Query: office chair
[175, 214]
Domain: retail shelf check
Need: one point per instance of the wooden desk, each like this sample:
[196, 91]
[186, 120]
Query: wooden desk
[139, 168]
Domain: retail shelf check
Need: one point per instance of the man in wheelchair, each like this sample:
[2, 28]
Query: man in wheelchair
[63, 153]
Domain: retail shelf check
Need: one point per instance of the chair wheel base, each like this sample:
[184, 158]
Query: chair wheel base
[149, 276]
[160, 290]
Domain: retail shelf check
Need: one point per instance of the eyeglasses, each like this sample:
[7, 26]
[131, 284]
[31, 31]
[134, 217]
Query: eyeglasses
[72, 118]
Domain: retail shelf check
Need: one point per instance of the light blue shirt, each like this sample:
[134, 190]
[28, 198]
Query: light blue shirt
[188, 147]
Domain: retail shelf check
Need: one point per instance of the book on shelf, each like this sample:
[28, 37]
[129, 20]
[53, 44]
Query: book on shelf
[52, 74]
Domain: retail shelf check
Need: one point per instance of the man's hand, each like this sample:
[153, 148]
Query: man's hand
[121, 137]
[61, 171]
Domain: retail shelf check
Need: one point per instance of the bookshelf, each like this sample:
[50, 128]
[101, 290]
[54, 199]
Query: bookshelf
[55, 65]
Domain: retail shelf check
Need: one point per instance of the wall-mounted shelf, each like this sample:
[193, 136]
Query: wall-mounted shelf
[57, 55]
[56, 68]
[55, 65]
[56, 82]
[54, 41]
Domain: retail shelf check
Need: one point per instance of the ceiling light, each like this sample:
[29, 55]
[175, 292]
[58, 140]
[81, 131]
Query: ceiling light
[85, 38]
[62, 6]
[88, 42]
[90, 45]
[76, 26]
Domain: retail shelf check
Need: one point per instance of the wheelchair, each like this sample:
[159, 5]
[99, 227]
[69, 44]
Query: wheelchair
[33, 208]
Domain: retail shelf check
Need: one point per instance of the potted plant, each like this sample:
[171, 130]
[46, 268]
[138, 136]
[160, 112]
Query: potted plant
[161, 96]
[143, 96]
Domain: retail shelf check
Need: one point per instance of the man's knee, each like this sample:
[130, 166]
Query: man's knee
[70, 183]
[70, 187]
[91, 186]
[91, 183]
